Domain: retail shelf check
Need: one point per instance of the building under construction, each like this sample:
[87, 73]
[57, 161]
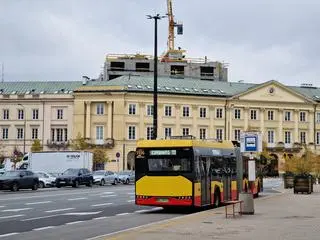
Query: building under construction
[173, 63]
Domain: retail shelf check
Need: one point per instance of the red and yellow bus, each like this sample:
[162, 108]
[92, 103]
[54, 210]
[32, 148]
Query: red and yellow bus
[187, 172]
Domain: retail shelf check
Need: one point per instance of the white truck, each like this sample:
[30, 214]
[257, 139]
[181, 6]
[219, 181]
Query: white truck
[56, 162]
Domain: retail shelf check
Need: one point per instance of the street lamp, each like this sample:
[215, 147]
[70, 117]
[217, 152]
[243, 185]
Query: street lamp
[24, 128]
[155, 81]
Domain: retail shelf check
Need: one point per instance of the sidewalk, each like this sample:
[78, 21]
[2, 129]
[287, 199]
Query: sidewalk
[278, 217]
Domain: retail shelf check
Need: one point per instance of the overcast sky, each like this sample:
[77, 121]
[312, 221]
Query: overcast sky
[65, 39]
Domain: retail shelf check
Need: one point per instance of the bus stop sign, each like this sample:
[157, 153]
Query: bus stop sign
[251, 142]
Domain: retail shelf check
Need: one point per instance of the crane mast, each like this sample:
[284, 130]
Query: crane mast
[171, 26]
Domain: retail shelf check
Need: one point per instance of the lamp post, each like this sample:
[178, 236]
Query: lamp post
[155, 81]
[24, 128]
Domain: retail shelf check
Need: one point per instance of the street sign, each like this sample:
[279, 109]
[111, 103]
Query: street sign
[251, 142]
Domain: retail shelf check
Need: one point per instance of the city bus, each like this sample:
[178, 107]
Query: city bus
[187, 173]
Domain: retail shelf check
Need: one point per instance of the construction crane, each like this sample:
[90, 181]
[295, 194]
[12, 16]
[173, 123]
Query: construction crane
[172, 52]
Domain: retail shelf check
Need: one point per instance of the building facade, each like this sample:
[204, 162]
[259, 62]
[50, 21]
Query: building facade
[119, 112]
[35, 110]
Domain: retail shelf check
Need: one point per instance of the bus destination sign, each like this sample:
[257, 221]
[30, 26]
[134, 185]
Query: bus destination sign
[162, 152]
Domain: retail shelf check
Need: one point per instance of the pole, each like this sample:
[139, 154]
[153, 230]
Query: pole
[24, 132]
[155, 81]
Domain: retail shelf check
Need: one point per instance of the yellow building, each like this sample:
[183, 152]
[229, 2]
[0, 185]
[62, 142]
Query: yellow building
[116, 113]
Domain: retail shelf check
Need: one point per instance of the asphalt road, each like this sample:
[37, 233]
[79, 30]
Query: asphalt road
[82, 213]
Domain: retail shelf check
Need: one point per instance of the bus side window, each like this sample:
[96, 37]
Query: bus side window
[197, 168]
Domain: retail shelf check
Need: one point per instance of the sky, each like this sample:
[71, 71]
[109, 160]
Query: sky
[64, 39]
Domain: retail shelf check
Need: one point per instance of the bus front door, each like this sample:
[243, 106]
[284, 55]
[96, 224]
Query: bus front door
[205, 181]
[227, 181]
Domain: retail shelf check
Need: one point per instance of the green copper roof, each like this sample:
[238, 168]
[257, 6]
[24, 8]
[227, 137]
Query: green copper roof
[35, 87]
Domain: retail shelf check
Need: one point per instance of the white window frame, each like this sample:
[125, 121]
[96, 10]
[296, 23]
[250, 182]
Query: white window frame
[219, 113]
[270, 115]
[287, 116]
[203, 133]
[35, 114]
[150, 110]
[21, 114]
[203, 112]
[287, 137]
[219, 133]
[100, 108]
[318, 138]
[149, 133]
[236, 133]
[168, 111]
[185, 131]
[60, 114]
[237, 113]
[132, 132]
[302, 116]
[20, 133]
[318, 117]
[6, 114]
[34, 133]
[270, 136]
[132, 109]
[186, 111]
[303, 137]
[253, 114]
[167, 132]
[5, 133]
[100, 132]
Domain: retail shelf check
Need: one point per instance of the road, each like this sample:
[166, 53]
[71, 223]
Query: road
[82, 213]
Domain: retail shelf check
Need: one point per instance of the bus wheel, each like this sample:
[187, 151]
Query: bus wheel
[217, 200]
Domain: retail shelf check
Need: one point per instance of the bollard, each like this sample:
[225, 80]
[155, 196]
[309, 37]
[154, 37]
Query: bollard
[248, 203]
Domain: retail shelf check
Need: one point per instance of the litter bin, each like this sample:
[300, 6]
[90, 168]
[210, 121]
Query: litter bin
[248, 203]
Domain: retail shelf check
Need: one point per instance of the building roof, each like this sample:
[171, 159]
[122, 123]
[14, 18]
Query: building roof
[37, 87]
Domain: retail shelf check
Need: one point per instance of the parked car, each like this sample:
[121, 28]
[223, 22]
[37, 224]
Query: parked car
[126, 177]
[20, 179]
[75, 177]
[2, 171]
[102, 177]
[46, 179]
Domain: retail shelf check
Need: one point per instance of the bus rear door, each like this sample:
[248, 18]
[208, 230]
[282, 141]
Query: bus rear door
[205, 180]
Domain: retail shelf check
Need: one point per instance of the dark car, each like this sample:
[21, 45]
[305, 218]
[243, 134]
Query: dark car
[75, 177]
[21, 179]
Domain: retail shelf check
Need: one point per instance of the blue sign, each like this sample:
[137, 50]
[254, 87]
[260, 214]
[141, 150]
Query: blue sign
[251, 143]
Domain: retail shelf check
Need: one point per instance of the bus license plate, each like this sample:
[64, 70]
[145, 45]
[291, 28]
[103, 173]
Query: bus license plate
[162, 200]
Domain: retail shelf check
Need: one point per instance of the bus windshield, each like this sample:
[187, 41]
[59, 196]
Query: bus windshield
[169, 164]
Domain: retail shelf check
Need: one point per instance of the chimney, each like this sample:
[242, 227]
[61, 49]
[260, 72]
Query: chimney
[85, 79]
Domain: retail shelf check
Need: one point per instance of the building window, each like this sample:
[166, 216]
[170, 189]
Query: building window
[237, 134]
[100, 108]
[318, 117]
[5, 114]
[149, 133]
[237, 114]
[185, 131]
[270, 136]
[35, 114]
[302, 116]
[59, 134]
[149, 110]
[99, 133]
[287, 116]
[5, 133]
[168, 111]
[203, 112]
[303, 137]
[253, 114]
[203, 134]
[287, 137]
[34, 133]
[60, 114]
[185, 111]
[132, 109]
[270, 115]
[219, 112]
[219, 134]
[132, 133]
[19, 133]
[20, 114]
[167, 132]
[318, 138]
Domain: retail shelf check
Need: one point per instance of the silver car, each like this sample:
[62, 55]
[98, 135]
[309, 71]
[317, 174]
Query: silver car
[102, 177]
[46, 179]
[126, 177]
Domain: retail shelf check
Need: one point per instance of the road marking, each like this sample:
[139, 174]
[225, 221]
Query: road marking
[108, 196]
[16, 210]
[71, 223]
[107, 192]
[34, 203]
[76, 199]
[156, 208]
[142, 211]
[132, 200]
[8, 234]
[36, 218]
[131, 193]
[12, 216]
[59, 210]
[1, 206]
[100, 218]
[101, 204]
[81, 213]
[122, 214]
[42, 228]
